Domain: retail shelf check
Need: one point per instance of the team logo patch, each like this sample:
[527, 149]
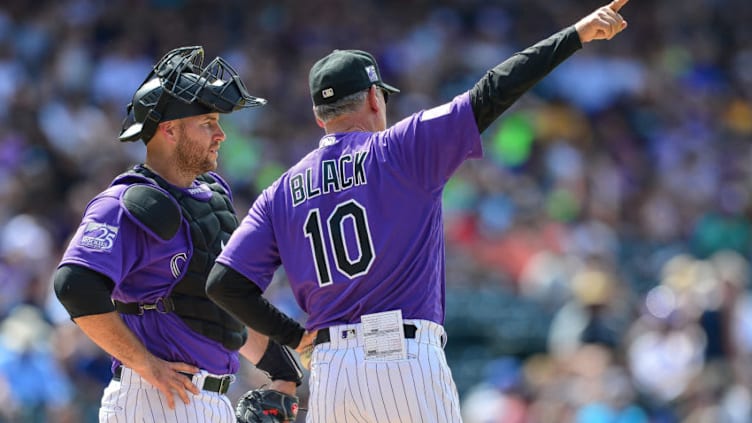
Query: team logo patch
[99, 236]
[348, 333]
[371, 71]
[329, 92]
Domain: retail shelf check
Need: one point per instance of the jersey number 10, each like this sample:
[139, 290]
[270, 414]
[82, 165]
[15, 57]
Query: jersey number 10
[335, 228]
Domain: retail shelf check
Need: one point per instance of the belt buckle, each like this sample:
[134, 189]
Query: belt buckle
[167, 306]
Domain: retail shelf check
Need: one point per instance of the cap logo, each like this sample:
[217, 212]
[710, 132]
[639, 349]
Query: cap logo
[371, 71]
[329, 92]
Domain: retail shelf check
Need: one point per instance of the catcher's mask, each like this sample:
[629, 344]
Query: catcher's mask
[179, 86]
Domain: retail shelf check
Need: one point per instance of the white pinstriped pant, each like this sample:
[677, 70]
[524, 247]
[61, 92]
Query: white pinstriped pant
[345, 388]
[133, 399]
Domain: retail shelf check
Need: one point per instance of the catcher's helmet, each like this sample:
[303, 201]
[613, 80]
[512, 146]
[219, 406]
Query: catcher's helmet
[178, 86]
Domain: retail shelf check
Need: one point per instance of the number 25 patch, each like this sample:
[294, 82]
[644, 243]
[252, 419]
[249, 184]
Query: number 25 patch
[99, 236]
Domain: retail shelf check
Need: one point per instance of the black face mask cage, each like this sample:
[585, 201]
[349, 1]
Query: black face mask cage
[217, 86]
[181, 75]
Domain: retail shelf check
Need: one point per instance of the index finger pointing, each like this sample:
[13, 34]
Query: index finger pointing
[616, 5]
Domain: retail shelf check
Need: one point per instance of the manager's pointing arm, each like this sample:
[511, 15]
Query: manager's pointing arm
[603, 24]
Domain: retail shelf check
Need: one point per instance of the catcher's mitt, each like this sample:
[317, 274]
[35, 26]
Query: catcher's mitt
[266, 406]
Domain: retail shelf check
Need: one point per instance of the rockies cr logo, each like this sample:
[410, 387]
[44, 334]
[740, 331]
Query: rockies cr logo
[176, 263]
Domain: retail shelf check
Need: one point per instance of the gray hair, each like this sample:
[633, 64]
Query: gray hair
[347, 104]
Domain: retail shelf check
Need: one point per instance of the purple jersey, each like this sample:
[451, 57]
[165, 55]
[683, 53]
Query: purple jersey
[145, 268]
[357, 223]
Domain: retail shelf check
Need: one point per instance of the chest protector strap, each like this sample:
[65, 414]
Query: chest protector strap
[211, 224]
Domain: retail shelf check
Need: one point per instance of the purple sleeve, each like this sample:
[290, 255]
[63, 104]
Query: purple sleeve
[254, 236]
[432, 144]
[106, 240]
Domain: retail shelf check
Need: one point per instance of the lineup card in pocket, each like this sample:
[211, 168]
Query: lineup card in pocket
[383, 336]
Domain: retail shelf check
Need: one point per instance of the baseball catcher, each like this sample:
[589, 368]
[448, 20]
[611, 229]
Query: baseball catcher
[266, 406]
[133, 277]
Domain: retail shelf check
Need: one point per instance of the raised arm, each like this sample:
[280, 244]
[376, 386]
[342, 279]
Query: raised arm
[501, 86]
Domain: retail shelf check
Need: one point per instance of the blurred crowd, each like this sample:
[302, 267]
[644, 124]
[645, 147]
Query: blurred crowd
[597, 258]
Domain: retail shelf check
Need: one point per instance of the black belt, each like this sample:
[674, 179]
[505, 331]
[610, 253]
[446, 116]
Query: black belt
[211, 383]
[323, 334]
[162, 305]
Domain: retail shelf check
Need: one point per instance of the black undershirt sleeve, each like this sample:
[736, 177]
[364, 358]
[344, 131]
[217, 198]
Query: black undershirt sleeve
[243, 299]
[501, 86]
[83, 291]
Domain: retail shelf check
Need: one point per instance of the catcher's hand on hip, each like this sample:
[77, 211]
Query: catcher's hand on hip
[266, 406]
[167, 377]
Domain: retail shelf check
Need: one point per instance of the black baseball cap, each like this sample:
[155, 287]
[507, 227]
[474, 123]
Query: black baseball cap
[344, 72]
